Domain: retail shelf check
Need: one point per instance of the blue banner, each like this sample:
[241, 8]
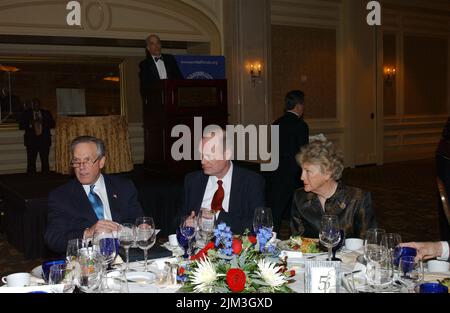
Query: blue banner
[201, 66]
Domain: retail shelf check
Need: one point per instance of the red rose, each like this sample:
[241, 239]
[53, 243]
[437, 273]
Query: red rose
[236, 246]
[252, 239]
[181, 271]
[209, 246]
[198, 256]
[236, 279]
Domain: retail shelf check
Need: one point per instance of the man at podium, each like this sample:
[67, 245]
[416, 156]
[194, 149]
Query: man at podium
[157, 66]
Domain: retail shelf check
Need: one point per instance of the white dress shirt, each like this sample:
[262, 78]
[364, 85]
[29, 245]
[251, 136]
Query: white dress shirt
[161, 67]
[211, 188]
[445, 251]
[100, 189]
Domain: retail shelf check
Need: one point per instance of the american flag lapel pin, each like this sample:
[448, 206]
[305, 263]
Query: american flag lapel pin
[114, 196]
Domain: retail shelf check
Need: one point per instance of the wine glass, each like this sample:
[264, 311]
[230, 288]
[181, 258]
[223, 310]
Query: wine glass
[329, 234]
[105, 242]
[62, 274]
[262, 218]
[91, 268]
[145, 235]
[206, 222]
[127, 235]
[188, 229]
[114, 281]
[338, 246]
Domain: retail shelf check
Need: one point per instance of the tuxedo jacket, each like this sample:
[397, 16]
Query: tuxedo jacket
[30, 138]
[70, 212]
[149, 73]
[246, 194]
[294, 134]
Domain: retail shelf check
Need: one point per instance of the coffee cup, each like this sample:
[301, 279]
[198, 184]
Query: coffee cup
[17, 280]
[173, 240]
[437, 266]
[353, 243]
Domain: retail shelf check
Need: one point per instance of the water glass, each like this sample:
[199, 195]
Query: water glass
[390, 242]
[378, 270]
[73, 246]
[206, 221]
[410, 270]
[114, 281]
[145, 235]
[90, 262]
[62, 274]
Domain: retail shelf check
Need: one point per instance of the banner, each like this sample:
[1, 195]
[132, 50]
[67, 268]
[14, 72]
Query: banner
[201, 66]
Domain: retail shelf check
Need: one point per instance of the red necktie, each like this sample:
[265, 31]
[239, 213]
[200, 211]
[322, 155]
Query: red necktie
[216, 204]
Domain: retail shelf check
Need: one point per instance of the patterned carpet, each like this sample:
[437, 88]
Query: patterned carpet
[404, 197]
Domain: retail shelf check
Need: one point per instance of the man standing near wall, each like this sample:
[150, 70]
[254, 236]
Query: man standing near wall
[294, 133]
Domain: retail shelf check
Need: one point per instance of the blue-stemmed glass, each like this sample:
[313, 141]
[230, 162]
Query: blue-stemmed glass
[188, 229]
[183, 242]
[105, 243]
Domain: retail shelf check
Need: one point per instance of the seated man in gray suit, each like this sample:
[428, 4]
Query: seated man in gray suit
[229, 190]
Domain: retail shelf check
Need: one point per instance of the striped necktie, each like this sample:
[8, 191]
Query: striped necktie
[96, 203]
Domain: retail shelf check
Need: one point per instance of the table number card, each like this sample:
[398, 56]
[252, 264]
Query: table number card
[322, 276]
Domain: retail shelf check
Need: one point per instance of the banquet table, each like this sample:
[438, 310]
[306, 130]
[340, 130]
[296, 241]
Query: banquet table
[112, 129]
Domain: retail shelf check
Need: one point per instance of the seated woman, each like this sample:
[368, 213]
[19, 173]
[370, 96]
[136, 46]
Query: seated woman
[324, 193]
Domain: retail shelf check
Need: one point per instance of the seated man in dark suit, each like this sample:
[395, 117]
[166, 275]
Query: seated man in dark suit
[231, 191]
[91, 202]
[156, 66]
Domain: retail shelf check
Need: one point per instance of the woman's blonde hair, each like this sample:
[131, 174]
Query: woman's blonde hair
[322, 152]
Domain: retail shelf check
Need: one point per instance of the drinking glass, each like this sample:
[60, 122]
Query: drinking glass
[411, 271]
[73, 246]
[390, 241]
[127, 235]
[206, 222]
[105, 242]
[62, 274]
[114, 281]
[330, 234]
[145, 235]
[91, 269]
[262, 218]
[377, 258]
[188, 229]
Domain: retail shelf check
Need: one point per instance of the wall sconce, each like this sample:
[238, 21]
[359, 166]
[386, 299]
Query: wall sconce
[255, 73]
[389, 73]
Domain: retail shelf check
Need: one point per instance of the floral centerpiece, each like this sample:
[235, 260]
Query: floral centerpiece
[236, 264]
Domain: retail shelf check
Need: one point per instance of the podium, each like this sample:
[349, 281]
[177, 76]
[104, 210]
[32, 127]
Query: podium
[168, 103]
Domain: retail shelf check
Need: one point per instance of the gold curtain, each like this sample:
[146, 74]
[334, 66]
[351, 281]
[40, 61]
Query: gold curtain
[112, 129]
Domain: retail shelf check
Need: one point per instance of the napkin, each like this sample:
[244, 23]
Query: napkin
[44, 289]
[292, 256]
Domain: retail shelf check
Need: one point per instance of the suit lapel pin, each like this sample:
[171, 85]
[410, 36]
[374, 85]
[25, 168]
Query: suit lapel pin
[114, 196]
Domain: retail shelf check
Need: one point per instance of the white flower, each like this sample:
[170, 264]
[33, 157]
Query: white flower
[204, 276]
[269, 273]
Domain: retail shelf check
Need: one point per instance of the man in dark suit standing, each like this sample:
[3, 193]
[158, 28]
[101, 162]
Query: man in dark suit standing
[37, 138]
[230, 191]
[294, 133]
[156, 66]
[91, 202]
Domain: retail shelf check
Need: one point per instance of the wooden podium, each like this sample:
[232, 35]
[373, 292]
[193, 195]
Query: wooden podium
[168, 103]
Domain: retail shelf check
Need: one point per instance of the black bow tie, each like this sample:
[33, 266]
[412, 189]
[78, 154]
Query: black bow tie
[158, 58]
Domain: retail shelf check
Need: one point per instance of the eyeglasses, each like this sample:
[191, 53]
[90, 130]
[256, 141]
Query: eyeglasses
[88, 163]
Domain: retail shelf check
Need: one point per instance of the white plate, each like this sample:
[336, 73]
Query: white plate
[140, 278]
[37, 271]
